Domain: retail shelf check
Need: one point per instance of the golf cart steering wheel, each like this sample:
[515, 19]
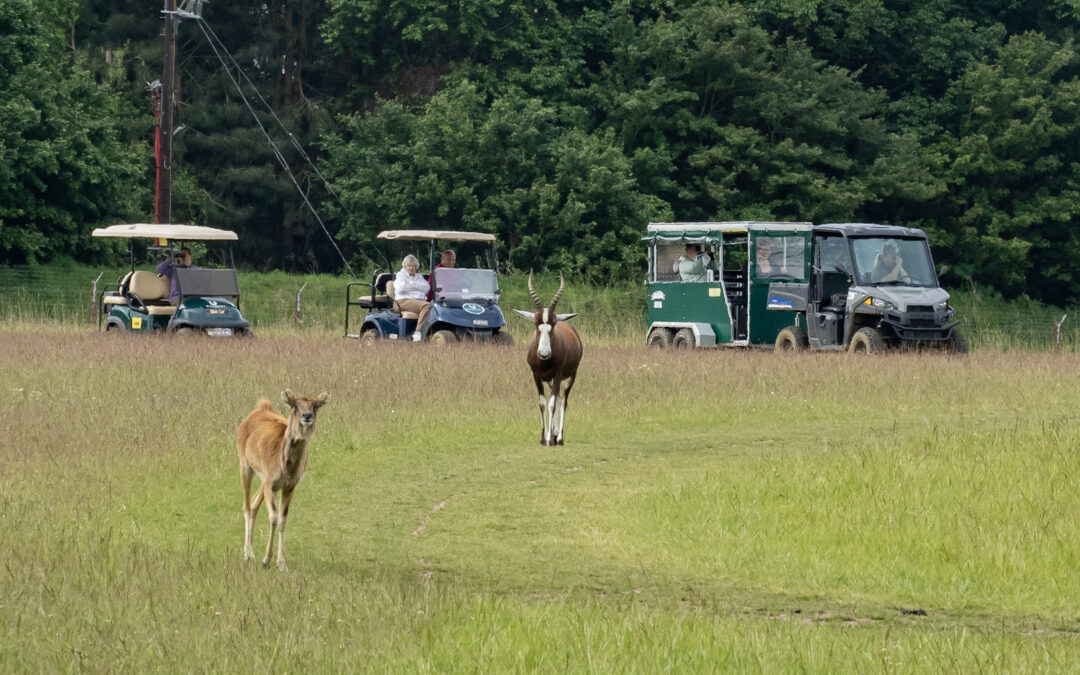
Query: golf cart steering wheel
[135, 302]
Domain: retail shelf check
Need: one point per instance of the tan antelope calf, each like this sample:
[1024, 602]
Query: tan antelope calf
[277, 449]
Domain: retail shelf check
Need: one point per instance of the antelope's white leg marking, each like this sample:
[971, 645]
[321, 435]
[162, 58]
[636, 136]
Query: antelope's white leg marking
[249, 526]
[562, 417]
[543, 416]
[551, 417]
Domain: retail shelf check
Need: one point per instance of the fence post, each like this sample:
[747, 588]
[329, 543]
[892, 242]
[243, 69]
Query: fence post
[93, 301]
[1057, 334]
[297, 316]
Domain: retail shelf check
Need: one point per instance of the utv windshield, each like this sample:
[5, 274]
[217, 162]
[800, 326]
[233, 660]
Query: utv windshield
[465, 284]
[883, 261]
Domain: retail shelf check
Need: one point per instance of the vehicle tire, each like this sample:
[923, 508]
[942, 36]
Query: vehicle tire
[659, 338]
[185, 331]
[504, 339]
[684, 339]
[791, 339]
[958, 343]
[866, 341]
[442, 337]
[369, 337]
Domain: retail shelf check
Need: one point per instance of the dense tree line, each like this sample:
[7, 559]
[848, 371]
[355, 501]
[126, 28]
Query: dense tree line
[563, 127]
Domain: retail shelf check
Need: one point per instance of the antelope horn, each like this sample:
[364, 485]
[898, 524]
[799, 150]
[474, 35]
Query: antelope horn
[558, 294]
[532, 292]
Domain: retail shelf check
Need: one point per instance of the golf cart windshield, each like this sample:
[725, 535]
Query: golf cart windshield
[465, 284]
[883, 261]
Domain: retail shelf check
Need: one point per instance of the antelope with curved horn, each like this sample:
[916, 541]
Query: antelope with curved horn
[553, 356]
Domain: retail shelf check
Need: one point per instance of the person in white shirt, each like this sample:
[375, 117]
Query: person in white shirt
[410, 292]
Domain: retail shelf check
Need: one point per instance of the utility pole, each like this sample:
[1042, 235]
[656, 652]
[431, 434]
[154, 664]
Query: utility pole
[165, 123]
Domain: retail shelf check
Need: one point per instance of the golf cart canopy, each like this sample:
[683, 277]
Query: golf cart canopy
[425, 235]
[165, 231]
[702, 232]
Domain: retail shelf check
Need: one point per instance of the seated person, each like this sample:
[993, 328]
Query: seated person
[763, 253]
[167, 268]
[410, 292]
[692, 265]
[448, 260]
[889, 266]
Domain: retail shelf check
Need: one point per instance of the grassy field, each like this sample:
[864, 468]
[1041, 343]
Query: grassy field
[731, 510]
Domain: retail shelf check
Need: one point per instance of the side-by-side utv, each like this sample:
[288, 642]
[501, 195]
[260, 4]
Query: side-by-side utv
[209, 302]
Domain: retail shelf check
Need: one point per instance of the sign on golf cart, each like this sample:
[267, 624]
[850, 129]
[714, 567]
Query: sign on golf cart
[794, 286]
[208, 300]
[464, 301]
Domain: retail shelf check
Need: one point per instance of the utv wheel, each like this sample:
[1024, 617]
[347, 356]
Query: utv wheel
[443, 337]
[684, 339]
[369, 337]
[957, 344]
[504, 339]
[185, 331]
[791, 339]
[866, 341]
[659, 338]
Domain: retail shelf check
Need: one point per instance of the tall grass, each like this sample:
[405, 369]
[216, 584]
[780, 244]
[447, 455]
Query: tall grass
[719, 510]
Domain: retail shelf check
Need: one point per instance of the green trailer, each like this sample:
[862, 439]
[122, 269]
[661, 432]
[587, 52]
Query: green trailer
[733, 295]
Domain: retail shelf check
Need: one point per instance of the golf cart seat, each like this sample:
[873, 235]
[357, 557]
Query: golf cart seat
[150, 288]
[390, 294]
[118, 297]
[378, 298]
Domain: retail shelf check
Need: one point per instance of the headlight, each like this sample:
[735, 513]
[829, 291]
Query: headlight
[942, 306]
[878, 303]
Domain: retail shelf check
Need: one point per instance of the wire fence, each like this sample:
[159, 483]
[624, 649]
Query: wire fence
[271, 300]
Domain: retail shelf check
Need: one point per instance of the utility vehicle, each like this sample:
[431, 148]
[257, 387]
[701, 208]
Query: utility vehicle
[138, 302]
[465, 301]
[795, 286]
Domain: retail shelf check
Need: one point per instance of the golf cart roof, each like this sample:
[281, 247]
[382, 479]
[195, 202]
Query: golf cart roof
[871, 230]
[697, 231]
[165, 231]
[425, 235]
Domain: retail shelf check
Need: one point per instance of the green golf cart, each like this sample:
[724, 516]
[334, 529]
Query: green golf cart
[209, 302]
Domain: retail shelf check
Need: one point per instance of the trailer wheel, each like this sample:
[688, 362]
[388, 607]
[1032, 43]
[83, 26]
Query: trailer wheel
[684, 339]
[791, 339]
[957, 344]
[866, 341]
[659, 338]
[369, 337]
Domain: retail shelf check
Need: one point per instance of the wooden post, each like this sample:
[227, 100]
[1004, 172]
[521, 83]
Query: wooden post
[297, 315]
[1057, 334]
[93, 300]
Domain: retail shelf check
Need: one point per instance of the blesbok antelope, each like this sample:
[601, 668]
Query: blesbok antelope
[276, 448]
[553, 356]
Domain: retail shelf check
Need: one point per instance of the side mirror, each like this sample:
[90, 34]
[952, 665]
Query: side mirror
[942, 270]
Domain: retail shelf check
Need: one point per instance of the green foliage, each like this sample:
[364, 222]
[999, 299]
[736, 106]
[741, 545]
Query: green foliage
[64, 163]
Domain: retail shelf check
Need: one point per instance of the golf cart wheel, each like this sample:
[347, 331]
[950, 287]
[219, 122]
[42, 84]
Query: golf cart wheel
[791, 339]
[369, 337]
[866, 341]
[684, 339]
[504, 339]
[443, 337]
[185, 331]
[957, 344]
[659, 338]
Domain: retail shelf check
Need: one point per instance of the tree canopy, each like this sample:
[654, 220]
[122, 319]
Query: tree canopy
[562, 127]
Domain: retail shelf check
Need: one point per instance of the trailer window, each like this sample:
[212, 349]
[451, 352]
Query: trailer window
[780, 257]
[667, 254]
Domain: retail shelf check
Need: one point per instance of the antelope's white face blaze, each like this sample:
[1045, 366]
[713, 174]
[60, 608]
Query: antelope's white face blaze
[543, 348]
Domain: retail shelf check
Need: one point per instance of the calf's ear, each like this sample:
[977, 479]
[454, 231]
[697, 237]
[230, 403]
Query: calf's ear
[322, 399]
[566, 317]
[288, 397]
[526, 315]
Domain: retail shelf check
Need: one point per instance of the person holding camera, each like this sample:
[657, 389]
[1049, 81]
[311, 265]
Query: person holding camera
[168, 267]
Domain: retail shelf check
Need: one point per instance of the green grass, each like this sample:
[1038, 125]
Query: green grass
[610, 314]
[724, 510]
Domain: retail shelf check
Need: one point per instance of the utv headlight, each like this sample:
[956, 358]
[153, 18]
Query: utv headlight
[878, 303]
[942, 306]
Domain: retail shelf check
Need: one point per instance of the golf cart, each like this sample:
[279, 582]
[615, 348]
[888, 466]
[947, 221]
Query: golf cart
[464, 305]
[139, 301]
[726, 302]
[873, 287]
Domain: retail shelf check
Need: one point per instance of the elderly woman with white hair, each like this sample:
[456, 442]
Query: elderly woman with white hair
[410, 292]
